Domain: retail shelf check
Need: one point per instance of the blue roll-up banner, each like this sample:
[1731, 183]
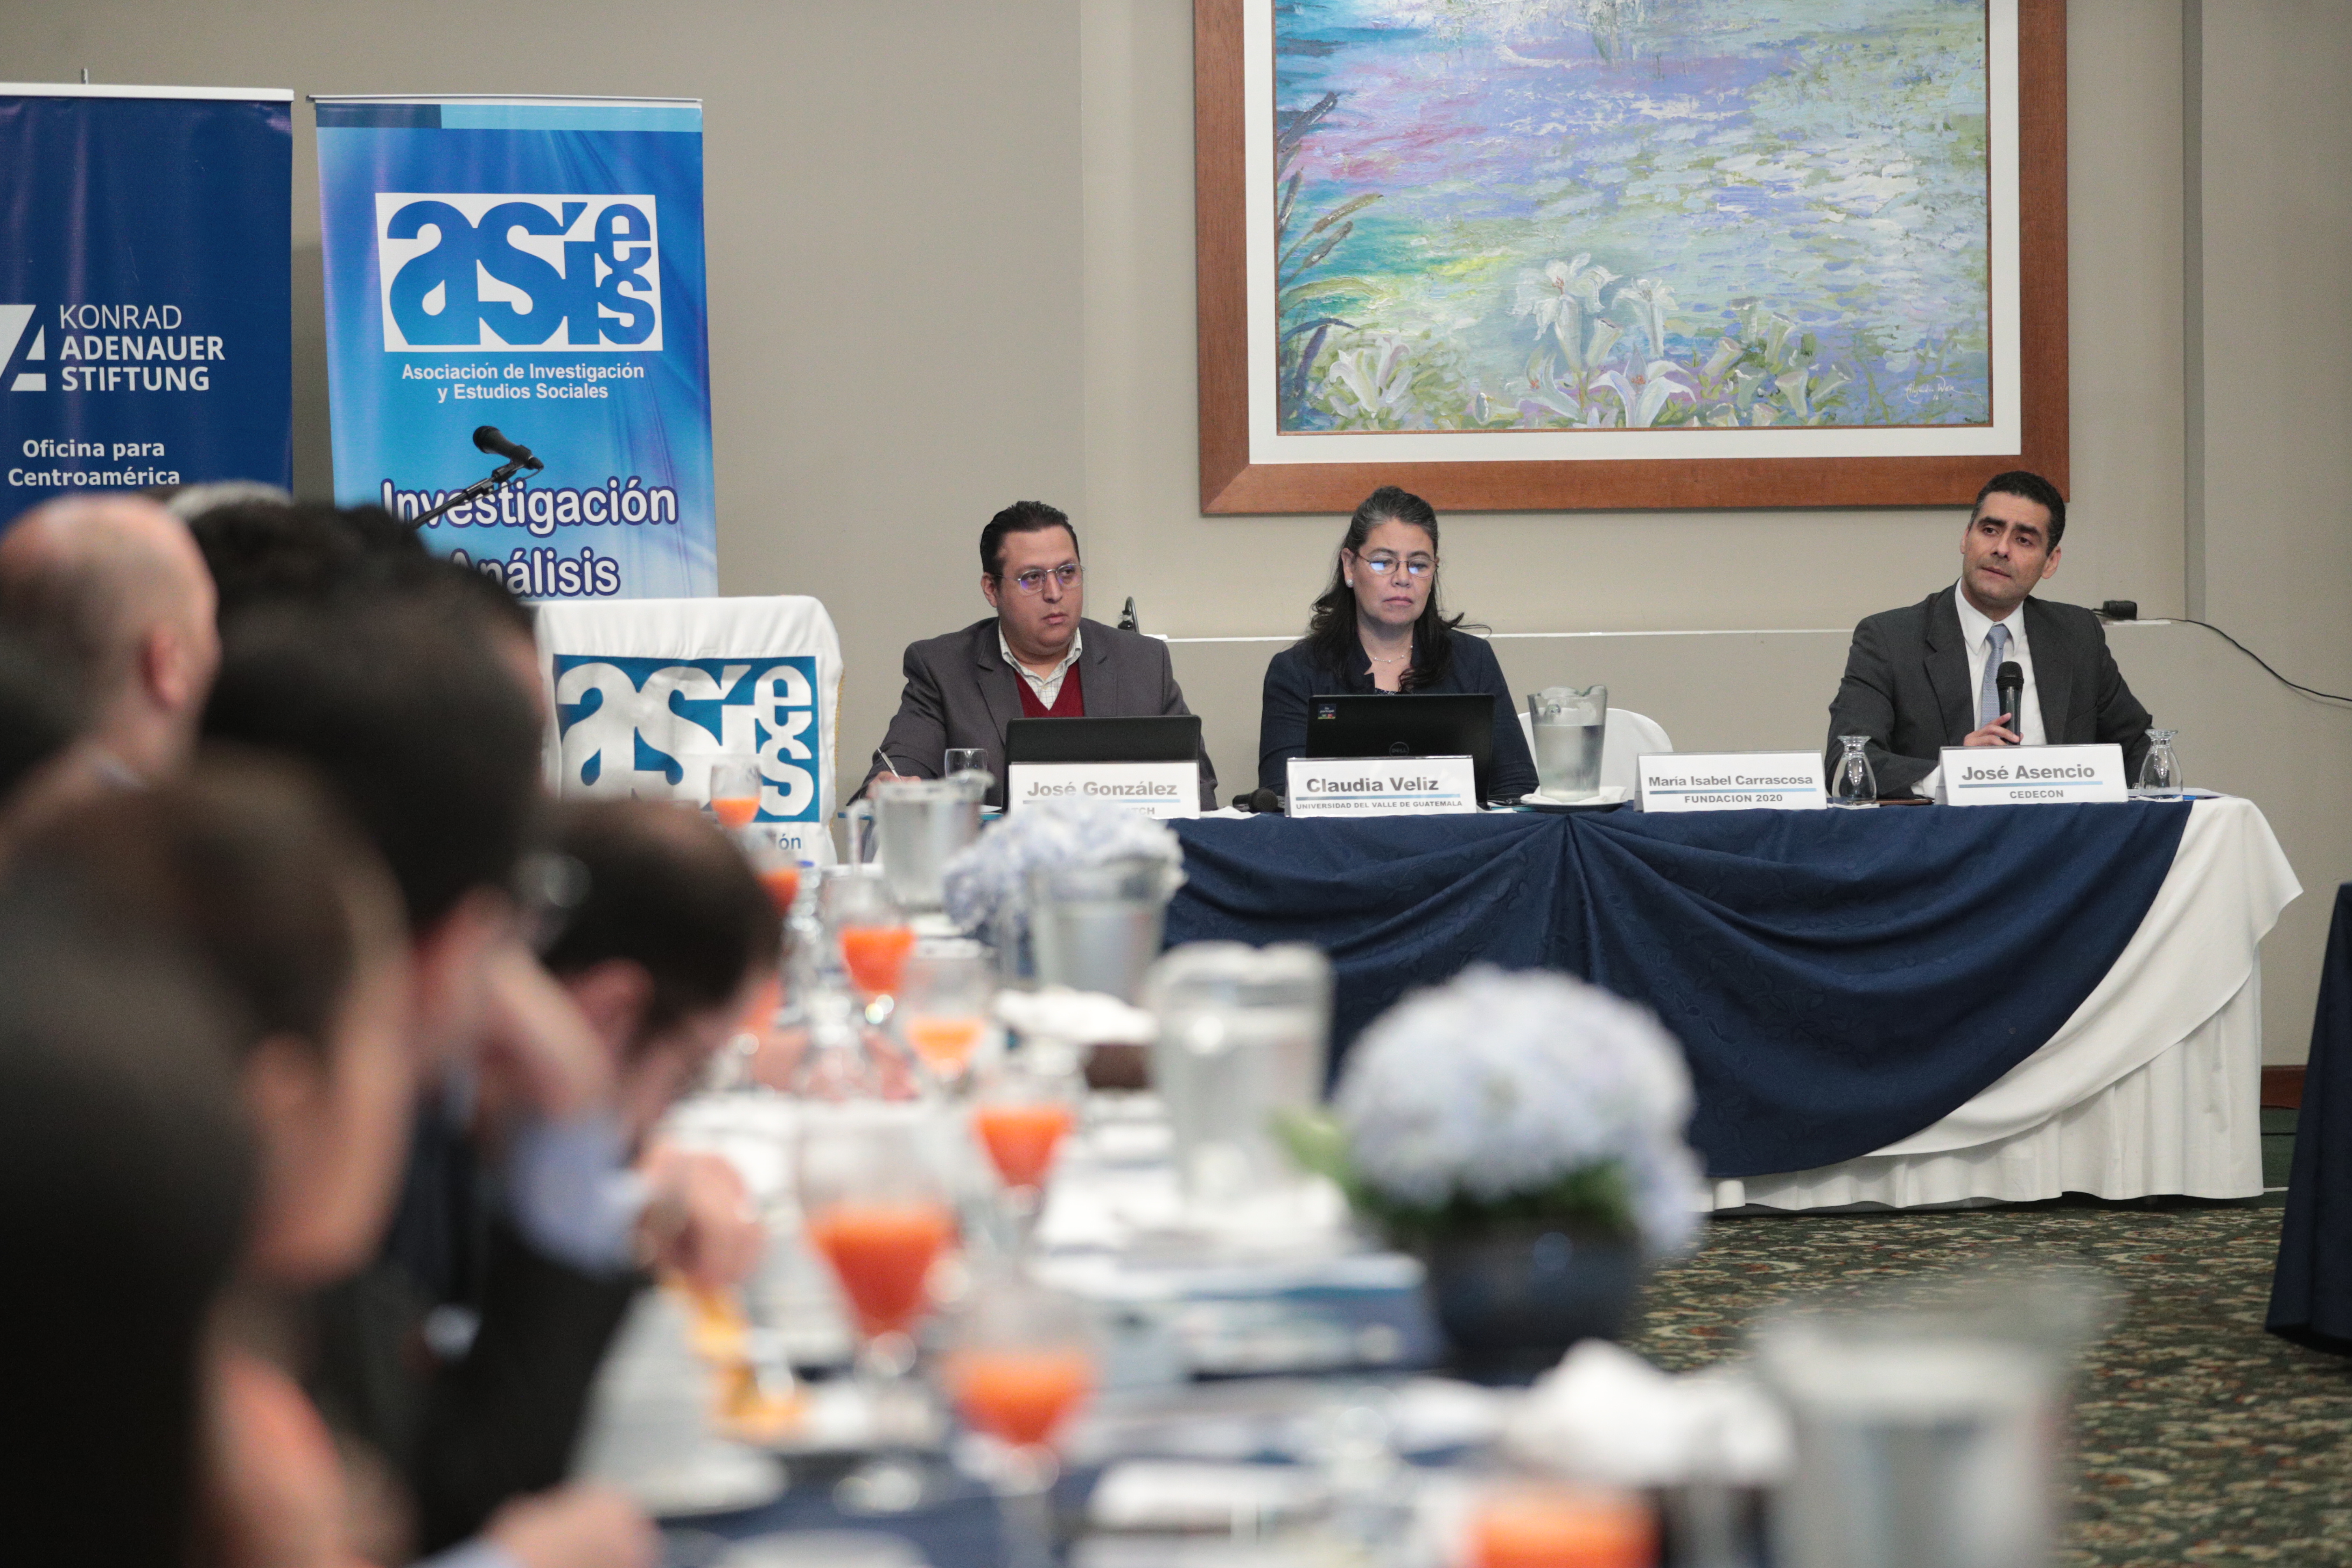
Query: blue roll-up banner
[534, 265]
[146, 236]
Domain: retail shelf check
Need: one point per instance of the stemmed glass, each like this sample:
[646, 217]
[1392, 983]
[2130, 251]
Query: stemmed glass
[1021, 1114]
[942, 1003]
[1854, 783]
[2160, 771]
[735, 792]
[877, 1209]
[875, 936]
[1021, 1360]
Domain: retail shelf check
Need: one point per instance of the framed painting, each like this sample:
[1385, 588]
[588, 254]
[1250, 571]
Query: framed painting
[1578, 254]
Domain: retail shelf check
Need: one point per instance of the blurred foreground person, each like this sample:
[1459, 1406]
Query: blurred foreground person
[264, 551]
[667, 939]
[123, 1180]
[38, 721]
[114, 590]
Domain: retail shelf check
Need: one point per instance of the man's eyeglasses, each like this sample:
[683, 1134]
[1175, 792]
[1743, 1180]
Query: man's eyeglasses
[1034, 580]
[1416, 568]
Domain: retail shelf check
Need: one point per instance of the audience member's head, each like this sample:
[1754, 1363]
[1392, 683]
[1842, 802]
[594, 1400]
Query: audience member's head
[113, 589]
[244, 864]
[664, 946]
[123, 1185]
[38, 718]
[265, 552]
[405, 710]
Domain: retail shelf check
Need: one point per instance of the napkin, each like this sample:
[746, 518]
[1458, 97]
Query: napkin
[1606, 1415]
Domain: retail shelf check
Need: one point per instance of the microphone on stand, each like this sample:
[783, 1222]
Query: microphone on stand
[2008, 691]
[487, 439]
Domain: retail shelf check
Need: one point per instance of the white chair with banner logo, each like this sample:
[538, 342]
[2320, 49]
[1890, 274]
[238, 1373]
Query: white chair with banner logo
[646, 694]
[1624, 741]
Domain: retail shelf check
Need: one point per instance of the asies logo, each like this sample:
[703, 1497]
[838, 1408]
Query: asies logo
[18, 358]
[471, 270]
[634, 725]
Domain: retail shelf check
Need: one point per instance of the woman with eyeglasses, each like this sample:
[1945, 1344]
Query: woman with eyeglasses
[1378, 628]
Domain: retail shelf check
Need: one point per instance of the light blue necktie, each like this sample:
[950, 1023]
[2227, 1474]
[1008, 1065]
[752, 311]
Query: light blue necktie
[1989, 699]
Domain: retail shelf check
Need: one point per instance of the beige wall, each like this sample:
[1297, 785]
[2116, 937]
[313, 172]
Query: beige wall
[952, 263]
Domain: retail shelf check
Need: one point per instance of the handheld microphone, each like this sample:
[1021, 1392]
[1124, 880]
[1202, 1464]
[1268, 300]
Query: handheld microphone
[2008, 689]
[488, 439]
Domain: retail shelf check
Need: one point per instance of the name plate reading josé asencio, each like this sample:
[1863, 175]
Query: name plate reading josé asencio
[1732, 781]
[2032, 776]
[1156, 789]
[1382, 786]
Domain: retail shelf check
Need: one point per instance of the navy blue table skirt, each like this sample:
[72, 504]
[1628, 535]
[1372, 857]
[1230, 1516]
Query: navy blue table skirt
[1839, 980]
[2311, 1293]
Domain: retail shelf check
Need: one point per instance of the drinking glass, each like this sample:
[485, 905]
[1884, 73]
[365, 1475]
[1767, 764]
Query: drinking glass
[920, 825]
[965, 760]
[2160, 771]
[878, 1211]
[1021, 1114]
[1854, 783]
[874, 936]
[1532, 1525]
[778, 868]
[943, 1006]
[1020, 1361]
[735, 791]
[1570, 724]
[1243, 1033]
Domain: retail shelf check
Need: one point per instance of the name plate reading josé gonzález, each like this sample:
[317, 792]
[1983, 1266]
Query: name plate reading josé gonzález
[1155, 789]
[1732, 781]
[1382, 786]
[2032, 776]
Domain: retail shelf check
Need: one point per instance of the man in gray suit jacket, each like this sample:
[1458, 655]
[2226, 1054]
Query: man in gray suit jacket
[1923, 677]
[1036, 657]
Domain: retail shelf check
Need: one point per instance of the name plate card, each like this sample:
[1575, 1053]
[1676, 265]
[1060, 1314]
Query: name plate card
[2032, 776]
[1382, 786]
[1732, 781]
[1155, 789]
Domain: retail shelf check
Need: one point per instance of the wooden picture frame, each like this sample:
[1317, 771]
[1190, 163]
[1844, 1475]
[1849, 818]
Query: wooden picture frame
[1232, 482]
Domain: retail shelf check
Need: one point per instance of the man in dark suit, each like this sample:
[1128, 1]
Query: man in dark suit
[1036, 657]
[1923, 677]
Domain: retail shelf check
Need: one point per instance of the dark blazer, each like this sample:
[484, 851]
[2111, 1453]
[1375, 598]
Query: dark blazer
[1294, 677]
[960, 692]
[1907, 686]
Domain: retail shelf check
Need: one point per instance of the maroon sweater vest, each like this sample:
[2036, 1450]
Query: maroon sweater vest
[1070, 702]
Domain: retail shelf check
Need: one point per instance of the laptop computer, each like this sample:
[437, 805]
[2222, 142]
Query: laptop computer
[1174, 739]
[1406, 724]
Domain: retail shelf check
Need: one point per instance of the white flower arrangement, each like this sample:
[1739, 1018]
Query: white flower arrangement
[990, 875]
[1521, 1092]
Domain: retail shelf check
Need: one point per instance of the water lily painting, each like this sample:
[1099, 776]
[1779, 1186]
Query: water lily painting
[1563, 244]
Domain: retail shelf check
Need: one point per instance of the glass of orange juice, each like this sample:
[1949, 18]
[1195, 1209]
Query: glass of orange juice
[1021, 1360]
[1559, 1526]
[875, 936]
[945, 1001]
[735, 791]
[1021, 1115]
[877, 1210]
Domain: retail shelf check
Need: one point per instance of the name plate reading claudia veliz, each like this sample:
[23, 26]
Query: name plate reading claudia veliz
[2032, 776]
[1731, 780]
[1155, 789]
[1382, 786]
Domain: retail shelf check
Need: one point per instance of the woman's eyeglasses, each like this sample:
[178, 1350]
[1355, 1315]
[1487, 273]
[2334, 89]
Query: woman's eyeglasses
[1416, 568]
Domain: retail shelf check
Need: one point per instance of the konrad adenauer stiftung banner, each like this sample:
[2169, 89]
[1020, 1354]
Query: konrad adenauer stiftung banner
[145, 241]
[534, 265]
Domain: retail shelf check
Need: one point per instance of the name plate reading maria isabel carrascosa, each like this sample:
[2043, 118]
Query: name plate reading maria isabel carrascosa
[1732, 781]
[2032, 776]
[1382, 786]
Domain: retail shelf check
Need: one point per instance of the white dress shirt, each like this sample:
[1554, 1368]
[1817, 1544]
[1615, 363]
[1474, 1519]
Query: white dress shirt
[1975, 634]
[1047, 687]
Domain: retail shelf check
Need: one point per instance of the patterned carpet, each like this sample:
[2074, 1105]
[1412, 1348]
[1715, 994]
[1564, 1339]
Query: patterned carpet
[2197, 1437]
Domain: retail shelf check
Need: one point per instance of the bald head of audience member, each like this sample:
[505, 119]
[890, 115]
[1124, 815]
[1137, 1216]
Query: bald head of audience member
[114, 591]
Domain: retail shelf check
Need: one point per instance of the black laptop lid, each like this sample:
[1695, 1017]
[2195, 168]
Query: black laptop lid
[1406, 724]
[1174, 739]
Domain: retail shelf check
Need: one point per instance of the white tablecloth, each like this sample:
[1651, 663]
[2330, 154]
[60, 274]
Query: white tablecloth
[2153, 1086]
